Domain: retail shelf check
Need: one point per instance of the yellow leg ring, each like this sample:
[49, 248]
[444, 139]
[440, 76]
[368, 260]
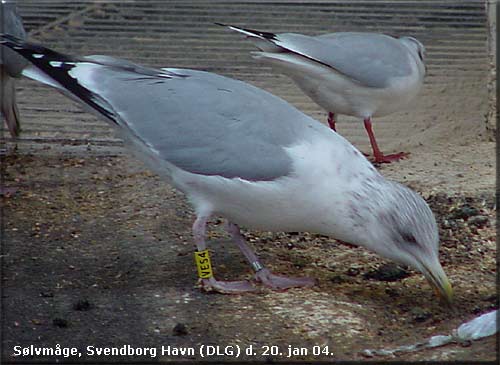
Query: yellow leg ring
[203, 264]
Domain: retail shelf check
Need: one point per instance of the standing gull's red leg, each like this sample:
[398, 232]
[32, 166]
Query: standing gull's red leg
[331, 121]
[379, 156]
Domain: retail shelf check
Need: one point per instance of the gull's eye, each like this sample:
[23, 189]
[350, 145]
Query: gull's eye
[408, 237]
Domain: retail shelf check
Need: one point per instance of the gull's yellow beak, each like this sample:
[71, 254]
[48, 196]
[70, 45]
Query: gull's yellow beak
[444, 291]
[439, 281]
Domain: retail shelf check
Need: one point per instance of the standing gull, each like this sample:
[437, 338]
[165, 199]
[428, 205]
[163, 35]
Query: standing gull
[11, 66]
[242, 153]
[360, 74]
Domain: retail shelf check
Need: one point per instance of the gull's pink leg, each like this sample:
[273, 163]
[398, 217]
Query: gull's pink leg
[379, 156]
[331, 121]
[227, 287]
[261, 273]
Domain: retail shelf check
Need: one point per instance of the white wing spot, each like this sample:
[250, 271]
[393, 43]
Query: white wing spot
[55, 63]
[36, 55]
[83, 72]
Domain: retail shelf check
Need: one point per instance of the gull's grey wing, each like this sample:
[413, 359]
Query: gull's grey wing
[205, 123]
[370, 59]
[198, 121]
[11, 23]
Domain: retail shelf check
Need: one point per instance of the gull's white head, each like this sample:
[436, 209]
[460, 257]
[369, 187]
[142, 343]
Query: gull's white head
[402, 227]
[414, 45]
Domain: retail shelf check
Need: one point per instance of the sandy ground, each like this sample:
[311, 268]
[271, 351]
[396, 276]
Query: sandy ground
[97, 251]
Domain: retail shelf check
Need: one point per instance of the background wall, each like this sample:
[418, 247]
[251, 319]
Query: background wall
[452, 105]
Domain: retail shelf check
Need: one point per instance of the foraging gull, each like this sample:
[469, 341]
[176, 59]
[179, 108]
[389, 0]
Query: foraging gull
[242, 153]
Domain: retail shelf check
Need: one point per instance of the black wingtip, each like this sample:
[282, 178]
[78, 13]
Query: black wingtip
[266, 35]
[257, 33]
[5, 38]
[28, 49]
[43, 57]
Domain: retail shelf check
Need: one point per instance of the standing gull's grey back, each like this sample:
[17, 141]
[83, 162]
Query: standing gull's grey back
[354, 73]
[11, 65]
